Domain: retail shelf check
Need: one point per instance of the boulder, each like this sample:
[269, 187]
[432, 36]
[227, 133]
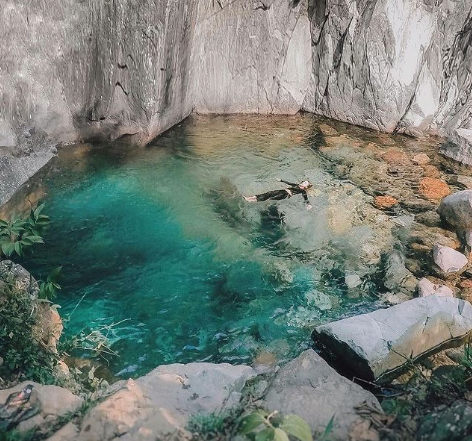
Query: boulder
[456, 210]
[19, 276]
[160, 403]
[426, 288]
[310, 388]
[51, 402]
[377, 345]
[448, 260]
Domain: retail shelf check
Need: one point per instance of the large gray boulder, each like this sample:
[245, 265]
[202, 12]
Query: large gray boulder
[379, 344]
[456, 210]
[160, 403]
[310, 388]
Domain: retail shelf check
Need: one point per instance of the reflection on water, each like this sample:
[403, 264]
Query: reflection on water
[160, 237]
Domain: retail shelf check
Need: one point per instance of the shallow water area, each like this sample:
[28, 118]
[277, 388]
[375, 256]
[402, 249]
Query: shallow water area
[163, 257]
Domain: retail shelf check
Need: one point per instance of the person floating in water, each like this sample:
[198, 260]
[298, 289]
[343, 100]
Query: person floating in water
[277, 195]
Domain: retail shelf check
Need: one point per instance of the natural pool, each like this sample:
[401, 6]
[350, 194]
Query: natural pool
[160, 251]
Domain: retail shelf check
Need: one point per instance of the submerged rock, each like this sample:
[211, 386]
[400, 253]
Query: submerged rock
[433, 188]
[378, 344]
[448, 260]
[456, 210]
[310, 388]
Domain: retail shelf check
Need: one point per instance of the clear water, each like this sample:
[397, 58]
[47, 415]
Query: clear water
[159, 243]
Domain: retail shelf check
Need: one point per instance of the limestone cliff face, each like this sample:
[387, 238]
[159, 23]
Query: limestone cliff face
[394, 65]
[251, 57]
[96, 69]
[106, 69]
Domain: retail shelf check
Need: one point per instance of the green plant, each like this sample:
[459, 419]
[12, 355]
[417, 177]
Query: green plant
[262, 426]
[49, 288]
[20, 234]
[24, 354]
[208, 426]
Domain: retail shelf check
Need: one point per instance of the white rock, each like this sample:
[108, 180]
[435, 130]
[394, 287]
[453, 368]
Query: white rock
[160, 403]
[426, 288]
[378, 344]
[448, 260]
[311, 389]
[352, 281]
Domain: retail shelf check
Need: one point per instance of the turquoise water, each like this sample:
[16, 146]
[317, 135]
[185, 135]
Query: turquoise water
[161, 254]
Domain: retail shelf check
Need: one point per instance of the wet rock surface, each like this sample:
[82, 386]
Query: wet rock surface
[310, 388]
[377, 344]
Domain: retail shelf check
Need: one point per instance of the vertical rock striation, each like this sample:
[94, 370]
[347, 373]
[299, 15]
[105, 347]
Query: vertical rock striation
[101, 69]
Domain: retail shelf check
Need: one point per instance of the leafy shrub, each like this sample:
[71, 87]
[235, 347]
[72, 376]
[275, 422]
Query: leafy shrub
[210, 426]
[18, 235]
[262, 426]
[23, 354]
[49, 288]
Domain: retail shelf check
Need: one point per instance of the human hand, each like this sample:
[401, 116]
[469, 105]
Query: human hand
[309, 207]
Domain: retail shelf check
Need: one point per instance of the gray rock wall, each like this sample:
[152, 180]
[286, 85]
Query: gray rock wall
[106, 69]
[249, 59]
[88, 69]
[393, 65]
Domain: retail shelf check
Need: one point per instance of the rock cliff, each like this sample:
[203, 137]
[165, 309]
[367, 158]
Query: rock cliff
[101, 69]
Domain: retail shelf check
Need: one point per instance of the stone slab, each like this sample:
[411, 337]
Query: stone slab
[377, 345]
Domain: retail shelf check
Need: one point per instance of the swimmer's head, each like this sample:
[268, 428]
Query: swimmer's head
[305, 184]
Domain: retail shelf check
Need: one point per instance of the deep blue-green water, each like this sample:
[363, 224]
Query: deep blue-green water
[163, 257]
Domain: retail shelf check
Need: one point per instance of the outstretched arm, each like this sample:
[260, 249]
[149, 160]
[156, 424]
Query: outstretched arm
[286, 182]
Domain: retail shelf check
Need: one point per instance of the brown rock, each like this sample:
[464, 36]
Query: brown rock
[384, 202]
[421, 159]
[431, 171]
[396, 156]
[434, 189]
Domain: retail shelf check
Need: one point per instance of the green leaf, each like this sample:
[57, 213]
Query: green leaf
[297, 427]
[250, 422]
[266, 434]
[8, 248]
[328, 429]
[280, 435]
[18, 249]
[35, 239]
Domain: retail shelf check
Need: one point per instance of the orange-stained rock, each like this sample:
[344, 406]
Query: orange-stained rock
[395, 156]
[384, 202]
[432, 188]
[466, 283]
[431, 171]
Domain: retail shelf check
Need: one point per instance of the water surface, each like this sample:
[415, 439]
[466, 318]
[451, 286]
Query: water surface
[161, 253]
